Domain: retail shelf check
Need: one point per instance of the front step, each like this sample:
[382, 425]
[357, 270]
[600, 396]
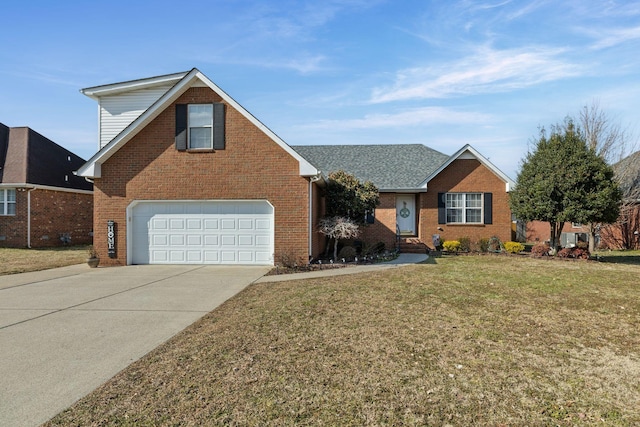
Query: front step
[411, 245]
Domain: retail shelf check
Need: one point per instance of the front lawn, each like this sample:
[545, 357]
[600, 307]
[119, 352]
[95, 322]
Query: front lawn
[477, 340]
[23, 260]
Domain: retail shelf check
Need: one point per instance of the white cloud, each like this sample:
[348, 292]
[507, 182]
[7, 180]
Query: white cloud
[488, 71]
[615, 37]
[413, 117]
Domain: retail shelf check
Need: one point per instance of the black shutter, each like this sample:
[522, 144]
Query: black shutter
[181, 127]
[488, 208]
[442, 209]
[218, 126]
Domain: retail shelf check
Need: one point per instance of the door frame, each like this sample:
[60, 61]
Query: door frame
[409, 202]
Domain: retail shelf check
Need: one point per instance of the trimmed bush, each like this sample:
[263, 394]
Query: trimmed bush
[484, 244]
[451, 245]
[465, 243]
[513, 247]
[577, 253]
[348, 252]
[540, 250]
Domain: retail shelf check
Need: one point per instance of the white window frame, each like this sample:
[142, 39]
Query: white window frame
[191, 126]
[460, 200]
[5, 202]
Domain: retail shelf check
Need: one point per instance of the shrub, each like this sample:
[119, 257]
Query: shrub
[513, 247]
[577, 253]
[540, 250]
[484, 244]
[451, 245]
[374, 249]
[465, 243]
[289, 260]
[348, 252]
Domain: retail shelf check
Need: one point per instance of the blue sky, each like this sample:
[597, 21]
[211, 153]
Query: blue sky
[439, 73]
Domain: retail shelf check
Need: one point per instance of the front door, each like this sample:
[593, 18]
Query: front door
[406, 214]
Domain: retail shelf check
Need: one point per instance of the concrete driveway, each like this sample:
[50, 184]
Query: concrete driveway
[64, 332]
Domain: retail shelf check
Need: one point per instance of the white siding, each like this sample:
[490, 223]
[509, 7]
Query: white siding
[119, 111]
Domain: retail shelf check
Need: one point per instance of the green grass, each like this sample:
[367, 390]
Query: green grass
[473, 340]
[24, 260]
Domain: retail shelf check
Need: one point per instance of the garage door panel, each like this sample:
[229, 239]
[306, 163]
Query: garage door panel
[215, 232]
[263, 241]
[210, 240]
[228, 224]
[245, 224]
[194, 223]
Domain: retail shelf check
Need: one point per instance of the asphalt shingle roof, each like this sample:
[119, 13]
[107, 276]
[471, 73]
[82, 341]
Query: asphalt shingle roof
[26, 157]
[389, 167]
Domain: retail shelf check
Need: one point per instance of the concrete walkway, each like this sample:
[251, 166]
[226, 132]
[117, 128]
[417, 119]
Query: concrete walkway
[403, 259]
[64, 332]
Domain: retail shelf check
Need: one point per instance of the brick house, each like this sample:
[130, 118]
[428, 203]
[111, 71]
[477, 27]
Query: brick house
[424, 192]
[185, 174]
[42, 202]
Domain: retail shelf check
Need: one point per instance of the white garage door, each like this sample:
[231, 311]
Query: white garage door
[202, 232]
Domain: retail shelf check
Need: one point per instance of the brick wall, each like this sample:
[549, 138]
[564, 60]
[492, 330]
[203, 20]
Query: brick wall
[53, 213]
[384, 227]
[251, 167]
[465, 175]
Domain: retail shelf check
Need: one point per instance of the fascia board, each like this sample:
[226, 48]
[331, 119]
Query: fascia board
[509, 183]
[96, 92]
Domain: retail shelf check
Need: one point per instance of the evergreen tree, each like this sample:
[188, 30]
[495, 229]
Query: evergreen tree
[563, 180]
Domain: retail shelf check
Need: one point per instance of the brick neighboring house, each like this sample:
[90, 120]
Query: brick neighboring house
[185, 174]
[42, 202]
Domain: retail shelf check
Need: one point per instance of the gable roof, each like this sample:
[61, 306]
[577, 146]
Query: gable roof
[26, 157]
[390, 167]
[92, 168]
[468, 152]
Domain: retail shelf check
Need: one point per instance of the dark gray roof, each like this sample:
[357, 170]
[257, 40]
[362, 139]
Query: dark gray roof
[389, 167]
[26, 157]
[627, 171]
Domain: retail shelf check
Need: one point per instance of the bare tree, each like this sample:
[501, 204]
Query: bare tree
[611, 142]
[337, 228]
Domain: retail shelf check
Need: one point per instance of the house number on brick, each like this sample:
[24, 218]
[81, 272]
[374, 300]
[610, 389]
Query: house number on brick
[111, 238]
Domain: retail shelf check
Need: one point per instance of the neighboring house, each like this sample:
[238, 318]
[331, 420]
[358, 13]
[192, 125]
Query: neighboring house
[186, 175]
[424, 192]
[42, 202]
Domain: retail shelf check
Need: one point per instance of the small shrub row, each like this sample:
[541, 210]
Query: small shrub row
[577, 253]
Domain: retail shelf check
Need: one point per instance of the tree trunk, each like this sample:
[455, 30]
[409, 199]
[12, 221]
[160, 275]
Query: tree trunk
[335, 250]
[556, 230]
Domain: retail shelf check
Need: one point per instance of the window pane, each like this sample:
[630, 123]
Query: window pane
[2, 193]
[11, 195]
[200, 115]
[11, 209]
[454, 200]
[454, 215]
[474, 200]
[200, 138]
[474, 215]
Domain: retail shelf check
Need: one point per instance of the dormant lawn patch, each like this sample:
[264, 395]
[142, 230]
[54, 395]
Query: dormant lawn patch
[459, 341]
[23, 260]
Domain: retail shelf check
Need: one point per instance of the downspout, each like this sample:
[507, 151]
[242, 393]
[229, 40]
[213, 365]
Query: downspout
[311, 181]
[29, 217]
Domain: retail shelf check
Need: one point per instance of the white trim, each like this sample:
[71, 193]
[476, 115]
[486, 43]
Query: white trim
[468, 152]
[192, 78]
[46, 187]
[96, 92]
